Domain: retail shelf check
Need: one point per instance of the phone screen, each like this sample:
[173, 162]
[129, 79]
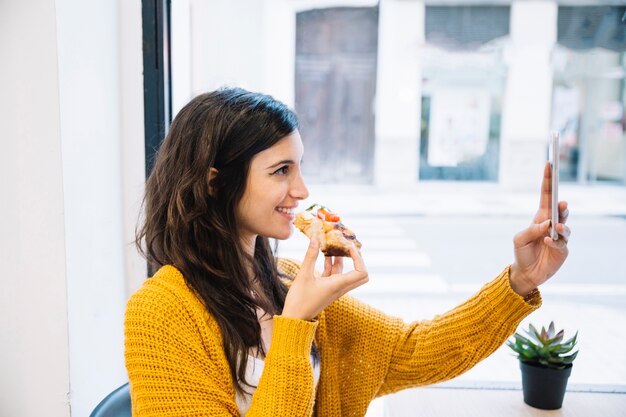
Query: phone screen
[553, 157]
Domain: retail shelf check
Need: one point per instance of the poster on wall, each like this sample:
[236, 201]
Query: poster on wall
[459, 126]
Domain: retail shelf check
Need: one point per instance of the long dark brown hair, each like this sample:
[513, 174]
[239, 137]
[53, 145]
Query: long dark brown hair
[190, 219]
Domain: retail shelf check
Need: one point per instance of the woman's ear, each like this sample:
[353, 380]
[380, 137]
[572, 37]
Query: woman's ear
[211, 181]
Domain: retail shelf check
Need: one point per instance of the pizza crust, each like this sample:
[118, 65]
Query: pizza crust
[331, 237]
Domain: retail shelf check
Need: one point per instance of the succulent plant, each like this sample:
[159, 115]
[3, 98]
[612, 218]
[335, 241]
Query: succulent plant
[545, 348]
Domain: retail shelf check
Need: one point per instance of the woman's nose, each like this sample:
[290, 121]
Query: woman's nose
[298, 189]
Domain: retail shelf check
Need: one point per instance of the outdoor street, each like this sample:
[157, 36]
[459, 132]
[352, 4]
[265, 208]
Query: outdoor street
[424, 265]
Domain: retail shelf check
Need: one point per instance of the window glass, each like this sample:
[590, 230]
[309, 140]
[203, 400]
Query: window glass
[429, 139]
[588, 108]
[461, 112]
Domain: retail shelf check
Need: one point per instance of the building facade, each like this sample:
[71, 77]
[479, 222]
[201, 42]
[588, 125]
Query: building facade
[394, 92]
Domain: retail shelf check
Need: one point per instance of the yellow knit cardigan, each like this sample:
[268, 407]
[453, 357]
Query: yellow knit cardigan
[177, 366]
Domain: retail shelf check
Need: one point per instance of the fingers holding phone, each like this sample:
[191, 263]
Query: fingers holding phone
[559, 232]
[553, 159]
[541, 249]
[550, 208]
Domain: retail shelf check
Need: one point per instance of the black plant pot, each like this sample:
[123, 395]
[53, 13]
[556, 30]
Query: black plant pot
[544, 387]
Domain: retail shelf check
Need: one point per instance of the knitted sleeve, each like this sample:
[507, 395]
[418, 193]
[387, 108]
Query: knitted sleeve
[427, 352]
[177, 366]
[367, 353]
[172, 368]
[287, 387]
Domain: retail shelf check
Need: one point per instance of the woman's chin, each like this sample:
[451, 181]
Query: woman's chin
[283, 234]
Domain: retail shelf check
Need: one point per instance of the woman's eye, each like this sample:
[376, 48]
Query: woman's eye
[282, 170]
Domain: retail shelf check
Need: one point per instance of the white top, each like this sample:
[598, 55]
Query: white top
[254, 369]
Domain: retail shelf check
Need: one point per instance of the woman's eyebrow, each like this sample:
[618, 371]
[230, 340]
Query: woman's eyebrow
[283, 162]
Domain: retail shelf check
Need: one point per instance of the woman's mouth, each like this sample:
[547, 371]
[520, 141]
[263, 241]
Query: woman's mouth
[286, 210]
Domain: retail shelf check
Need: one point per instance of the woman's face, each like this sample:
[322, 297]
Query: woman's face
[273, 189]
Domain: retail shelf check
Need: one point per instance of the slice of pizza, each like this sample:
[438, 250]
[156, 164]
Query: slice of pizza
[333, 236]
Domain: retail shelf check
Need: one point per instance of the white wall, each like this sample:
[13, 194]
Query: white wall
[34, 361]
[180, 63]
[528, 95]
[226, 46]
[398, 92]
[130, 68]
[90, 125]
[280, 50]
[71, 177]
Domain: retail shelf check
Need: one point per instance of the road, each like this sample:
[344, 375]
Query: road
[424, 265]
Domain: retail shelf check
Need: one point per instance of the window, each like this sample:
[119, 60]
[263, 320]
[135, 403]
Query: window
[393, 79]
[463, 81]
[589, 93]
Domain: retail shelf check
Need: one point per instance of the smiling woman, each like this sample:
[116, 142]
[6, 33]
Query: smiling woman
[272, 192]
[223, 328]
[358, 73]
[211, 205]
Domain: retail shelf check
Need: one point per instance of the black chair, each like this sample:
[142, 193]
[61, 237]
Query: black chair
[116, 404]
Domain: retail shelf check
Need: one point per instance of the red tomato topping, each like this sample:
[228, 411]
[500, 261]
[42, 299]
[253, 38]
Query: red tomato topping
[332, 217]
[321, 213]
[327, 215]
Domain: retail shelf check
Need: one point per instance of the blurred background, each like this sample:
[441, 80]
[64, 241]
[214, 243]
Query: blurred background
[425, 125]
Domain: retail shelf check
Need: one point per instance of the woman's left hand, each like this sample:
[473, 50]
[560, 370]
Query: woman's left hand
[537, 256]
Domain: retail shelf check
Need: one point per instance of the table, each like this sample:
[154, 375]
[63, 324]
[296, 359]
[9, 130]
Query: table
[462, 402]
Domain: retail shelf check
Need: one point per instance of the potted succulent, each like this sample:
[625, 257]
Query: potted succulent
[546, 364]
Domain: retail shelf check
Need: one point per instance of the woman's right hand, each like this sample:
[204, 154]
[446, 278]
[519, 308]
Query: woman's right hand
[310, 294]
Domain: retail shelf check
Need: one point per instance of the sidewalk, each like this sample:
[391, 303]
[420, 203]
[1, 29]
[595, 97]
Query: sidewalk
[463, 199]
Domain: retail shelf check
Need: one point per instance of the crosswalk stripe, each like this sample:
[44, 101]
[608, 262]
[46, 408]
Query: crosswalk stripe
[403, 283]
[559, 289]
[396, 259]
[378, 258]
[388, 243]
[402, 243]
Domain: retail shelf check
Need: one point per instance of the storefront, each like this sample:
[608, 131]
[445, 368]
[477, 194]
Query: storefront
[589, 93]
[396, 92]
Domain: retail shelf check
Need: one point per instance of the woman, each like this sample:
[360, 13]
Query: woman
[224, 329]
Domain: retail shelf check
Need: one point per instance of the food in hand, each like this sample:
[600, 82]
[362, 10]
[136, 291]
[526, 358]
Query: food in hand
[334, 237]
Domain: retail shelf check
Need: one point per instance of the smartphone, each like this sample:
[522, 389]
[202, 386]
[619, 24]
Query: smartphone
[553, 158]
